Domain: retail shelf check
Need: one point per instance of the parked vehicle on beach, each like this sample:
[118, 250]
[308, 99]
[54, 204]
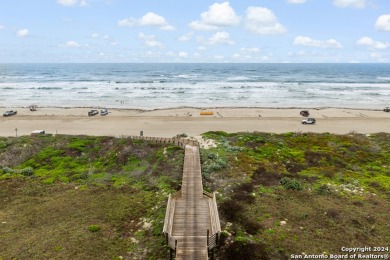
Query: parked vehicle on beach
[387, 109]
[304, 113]
[10, 113]
[311, 121]
[93, 112]
[103, 112]
[38, 132]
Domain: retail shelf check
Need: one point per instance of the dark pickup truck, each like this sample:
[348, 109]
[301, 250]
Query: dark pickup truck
[304, 113]
[93, 112]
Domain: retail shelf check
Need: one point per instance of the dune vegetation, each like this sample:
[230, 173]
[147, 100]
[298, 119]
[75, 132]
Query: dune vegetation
[83, 197]
[80, 197]
[299, 193]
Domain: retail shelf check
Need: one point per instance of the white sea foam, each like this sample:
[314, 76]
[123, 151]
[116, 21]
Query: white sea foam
[139, 86]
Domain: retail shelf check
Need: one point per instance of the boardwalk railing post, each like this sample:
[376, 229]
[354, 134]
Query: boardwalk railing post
[208, 233]
[175, 246]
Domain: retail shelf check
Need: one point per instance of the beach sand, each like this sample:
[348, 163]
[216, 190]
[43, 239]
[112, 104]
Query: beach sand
[169, 122]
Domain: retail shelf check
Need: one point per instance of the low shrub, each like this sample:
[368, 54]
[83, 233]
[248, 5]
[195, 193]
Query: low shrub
[94, 228]
[291, 184]
[332, 213]
[6, 170]
[28, 171]
[245, 250]
[251, 226]
[324, 190]
[264, 177]
[231, 210]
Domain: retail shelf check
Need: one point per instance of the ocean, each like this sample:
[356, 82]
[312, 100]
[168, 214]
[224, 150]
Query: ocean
[166, 85]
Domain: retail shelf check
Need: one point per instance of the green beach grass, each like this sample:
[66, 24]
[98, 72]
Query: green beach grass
[299, 193]
[82, 197]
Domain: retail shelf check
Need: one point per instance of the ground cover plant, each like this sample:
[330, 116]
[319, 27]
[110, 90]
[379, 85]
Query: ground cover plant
[81, 197]
[299, 193]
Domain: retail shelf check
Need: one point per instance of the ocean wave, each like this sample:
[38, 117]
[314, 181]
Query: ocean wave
[186, 76]
[161, 84]
[79, 88]
[238, 78]
[383, 78]
[374, 94]
[143, 81]
[47, 88]
[123, 82]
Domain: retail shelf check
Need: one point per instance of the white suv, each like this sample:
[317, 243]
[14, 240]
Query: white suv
[311, 121]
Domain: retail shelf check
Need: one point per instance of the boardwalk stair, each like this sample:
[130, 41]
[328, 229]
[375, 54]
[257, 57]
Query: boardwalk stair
[191, 225]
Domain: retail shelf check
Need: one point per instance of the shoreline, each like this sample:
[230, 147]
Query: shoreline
[168, 122]
[193, 107]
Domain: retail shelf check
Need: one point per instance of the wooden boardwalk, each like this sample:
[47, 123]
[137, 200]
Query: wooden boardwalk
[191, 222]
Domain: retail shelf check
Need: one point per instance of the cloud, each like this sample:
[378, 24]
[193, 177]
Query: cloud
[220, 38]
[218, 15]
[376, 55]
[149, 19]
[371, 44]
[380, 57]
[152, 19]
[383, 23]
[219, 57]
[309, 42]
[200, 26]
[67, 2]
[261, 20]
[73, 2]
[350, 3]
[247, 54]
[183, 54]
[186, 37]
[72, 44]
[149, 40]
[95, 35]
[2, 27]
[250, 50]
[296, 1]
[84, 3]
[22, 33]
[129, 22]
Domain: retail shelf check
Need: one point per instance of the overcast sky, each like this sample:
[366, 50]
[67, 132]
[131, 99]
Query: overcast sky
[194, 31]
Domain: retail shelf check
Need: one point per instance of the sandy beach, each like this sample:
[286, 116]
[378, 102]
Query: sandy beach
[169, 122]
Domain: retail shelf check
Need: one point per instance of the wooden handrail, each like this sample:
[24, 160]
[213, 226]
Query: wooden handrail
[178, 141]
[167, 215]
[214, 216]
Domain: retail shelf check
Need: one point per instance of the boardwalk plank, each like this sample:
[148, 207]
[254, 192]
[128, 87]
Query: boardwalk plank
[191, 213]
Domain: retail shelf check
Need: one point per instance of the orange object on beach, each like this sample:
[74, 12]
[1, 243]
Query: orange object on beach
[206, 113]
